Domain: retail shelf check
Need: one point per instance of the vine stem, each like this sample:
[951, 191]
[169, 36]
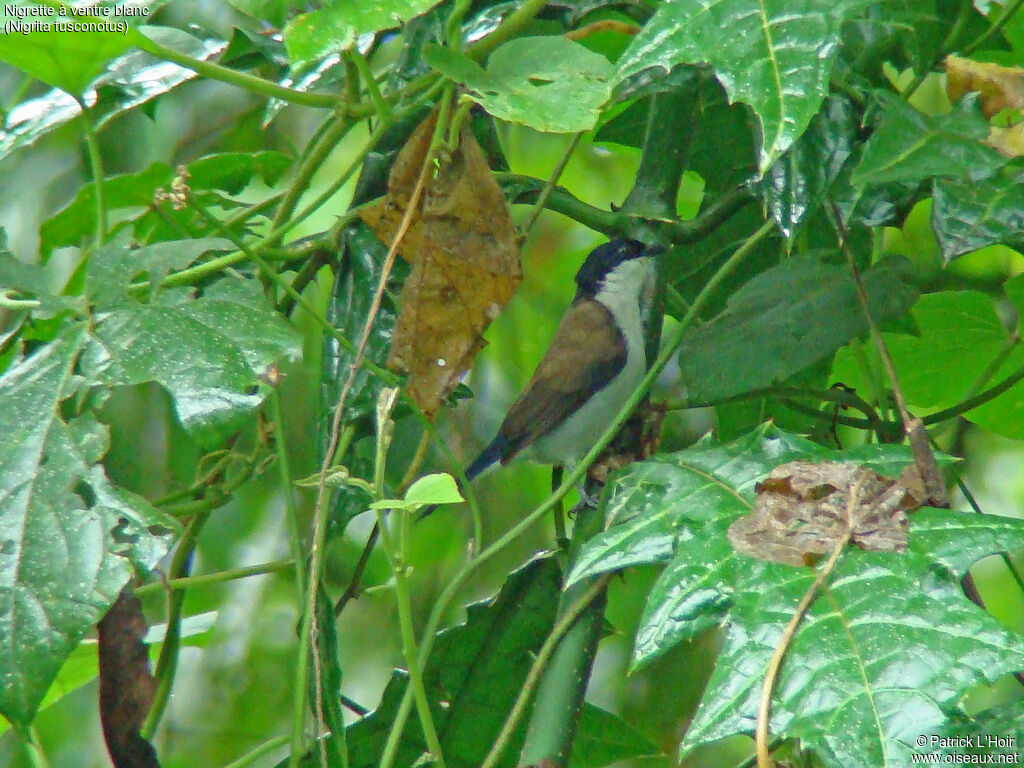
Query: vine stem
[34, 749]
[549, 185]
[913, 427]
[219, 577]
[540, 663]
[250, 83]
[309, 629]
[96, 167]
[568, 483]
[761, 745]
[257, 752]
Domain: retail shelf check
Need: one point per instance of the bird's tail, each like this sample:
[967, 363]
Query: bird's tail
[496, 451]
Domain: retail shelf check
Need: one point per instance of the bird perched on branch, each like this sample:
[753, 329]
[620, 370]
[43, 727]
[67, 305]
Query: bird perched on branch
[595, 360]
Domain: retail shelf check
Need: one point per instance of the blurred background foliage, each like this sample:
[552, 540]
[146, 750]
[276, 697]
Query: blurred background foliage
[234, 681]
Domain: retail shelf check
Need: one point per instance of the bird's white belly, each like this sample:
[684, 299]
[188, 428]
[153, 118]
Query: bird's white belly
[577, 435]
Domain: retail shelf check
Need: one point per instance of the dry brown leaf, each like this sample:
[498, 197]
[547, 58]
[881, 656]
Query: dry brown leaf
[465, 263]
[803, 511]
[999, 87]
[126, 686]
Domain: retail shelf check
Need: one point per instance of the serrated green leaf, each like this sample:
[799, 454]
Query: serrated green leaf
[208, 353]
[335, 27]
[888, 628]
[603, 739]
[968, 216]
[115, 266]
[770, 328]
[476, 670]
[794, 186]
[69, 540]
[874, 664]
[775, 55]
[910, 146]
[548, 83]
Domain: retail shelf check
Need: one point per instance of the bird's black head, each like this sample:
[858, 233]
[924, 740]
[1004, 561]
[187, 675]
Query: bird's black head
[604, 259]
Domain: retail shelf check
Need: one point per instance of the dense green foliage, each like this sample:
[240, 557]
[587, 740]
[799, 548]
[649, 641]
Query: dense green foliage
[195, 402]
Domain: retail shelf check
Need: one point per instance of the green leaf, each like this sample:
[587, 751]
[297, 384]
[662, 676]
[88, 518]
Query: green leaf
[889, 627]
[127, 82]
[473, 676]
[208, 353]
[798, 181]
[771, 327]
[229, 171]
[603, 739]
[65, 59]
[82, 664]
[350, 301]
[439, 488]
[775, 55]
[115, 266]
[548, 83]
[335, 27]
[968, 216]
[69, 540]
[910, 146]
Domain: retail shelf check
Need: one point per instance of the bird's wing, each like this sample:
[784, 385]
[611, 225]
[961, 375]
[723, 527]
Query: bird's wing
[587, 351]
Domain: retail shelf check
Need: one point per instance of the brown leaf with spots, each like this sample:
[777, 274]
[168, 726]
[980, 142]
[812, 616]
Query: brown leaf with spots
[465, 263]
[804, 510]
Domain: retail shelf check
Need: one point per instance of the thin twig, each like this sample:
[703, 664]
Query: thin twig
[764, 758]
[924, 459]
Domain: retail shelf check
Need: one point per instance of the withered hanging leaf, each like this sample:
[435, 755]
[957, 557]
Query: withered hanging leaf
[999, 87]
[804, 509]
[465, 260]
[126, 686]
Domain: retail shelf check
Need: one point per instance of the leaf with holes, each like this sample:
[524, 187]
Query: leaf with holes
[69, 540]
[210, 353]
[884, 652]
[548, 83]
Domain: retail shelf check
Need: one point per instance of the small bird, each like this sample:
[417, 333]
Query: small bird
[595, 360]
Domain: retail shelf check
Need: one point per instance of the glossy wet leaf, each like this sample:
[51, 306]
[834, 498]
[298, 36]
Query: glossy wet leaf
[967, 216]
[775, 55]
[548, 83]
[910, 146]
[127, 82]
[794, 186]
[889, 626]
[335, 27]
[771, 327]
[69, 540]
[208, 353]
